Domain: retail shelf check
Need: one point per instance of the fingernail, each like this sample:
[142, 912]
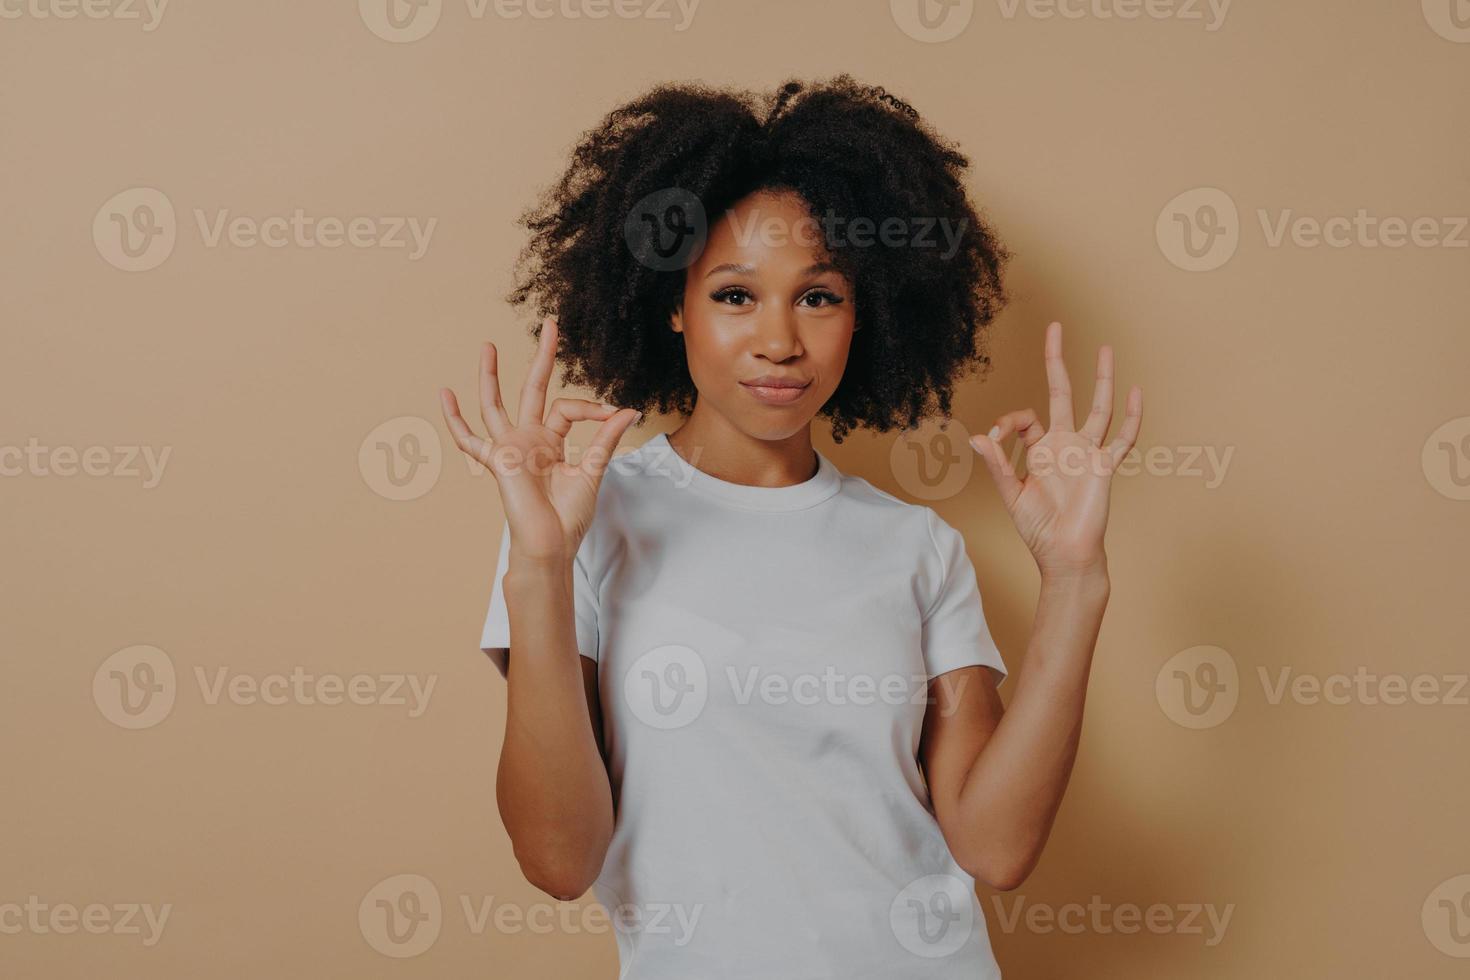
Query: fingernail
[994, 432]
[610, 406]
[637, 418]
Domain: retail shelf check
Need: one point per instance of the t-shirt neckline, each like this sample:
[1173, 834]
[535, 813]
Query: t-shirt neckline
[823, 484]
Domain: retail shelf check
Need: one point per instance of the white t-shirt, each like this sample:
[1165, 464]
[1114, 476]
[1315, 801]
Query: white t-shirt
[762, 655]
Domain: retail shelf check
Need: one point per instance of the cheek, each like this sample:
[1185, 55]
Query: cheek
[831, 349]
[708, 349]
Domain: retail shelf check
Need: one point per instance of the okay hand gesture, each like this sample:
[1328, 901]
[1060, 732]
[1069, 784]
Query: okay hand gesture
[549, 503]
[1061, 506]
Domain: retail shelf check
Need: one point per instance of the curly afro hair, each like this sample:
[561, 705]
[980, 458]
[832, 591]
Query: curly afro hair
[851, 151]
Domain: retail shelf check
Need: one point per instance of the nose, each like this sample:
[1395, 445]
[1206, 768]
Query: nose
[776, 336]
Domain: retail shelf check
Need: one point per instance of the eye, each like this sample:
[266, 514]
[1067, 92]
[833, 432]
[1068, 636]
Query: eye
[823, 297]
[734, 295]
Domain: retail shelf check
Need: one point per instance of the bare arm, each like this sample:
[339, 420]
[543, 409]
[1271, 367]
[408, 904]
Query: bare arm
[552, 786]
[997, 776]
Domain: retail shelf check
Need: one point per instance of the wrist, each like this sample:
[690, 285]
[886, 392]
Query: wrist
[1089, 577]
[536, 571]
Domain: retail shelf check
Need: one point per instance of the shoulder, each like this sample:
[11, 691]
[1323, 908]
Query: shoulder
[629, 468]
[623, 493]
[914, 522]
[911, 535]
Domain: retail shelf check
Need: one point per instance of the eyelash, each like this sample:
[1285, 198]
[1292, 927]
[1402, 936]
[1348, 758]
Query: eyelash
[831, 298]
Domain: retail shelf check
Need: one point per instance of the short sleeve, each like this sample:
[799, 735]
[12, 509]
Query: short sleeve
[955, 633]
[495, 637]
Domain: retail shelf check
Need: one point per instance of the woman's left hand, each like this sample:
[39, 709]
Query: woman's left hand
[1061, 506]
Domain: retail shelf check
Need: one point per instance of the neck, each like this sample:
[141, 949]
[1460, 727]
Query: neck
[710, 443]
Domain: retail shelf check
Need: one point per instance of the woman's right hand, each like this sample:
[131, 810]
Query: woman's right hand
[549, 503]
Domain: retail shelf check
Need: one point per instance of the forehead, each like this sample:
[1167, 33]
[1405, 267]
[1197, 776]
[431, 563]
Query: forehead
[770, 232]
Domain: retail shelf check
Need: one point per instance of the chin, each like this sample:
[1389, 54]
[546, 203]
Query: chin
[778, 426]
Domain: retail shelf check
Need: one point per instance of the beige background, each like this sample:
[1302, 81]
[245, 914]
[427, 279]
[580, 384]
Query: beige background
[1333, 543]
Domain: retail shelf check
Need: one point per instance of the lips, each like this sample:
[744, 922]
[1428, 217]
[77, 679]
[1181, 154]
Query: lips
[775, 390]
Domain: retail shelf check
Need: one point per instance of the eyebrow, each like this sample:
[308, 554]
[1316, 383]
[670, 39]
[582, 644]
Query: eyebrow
[746, 270]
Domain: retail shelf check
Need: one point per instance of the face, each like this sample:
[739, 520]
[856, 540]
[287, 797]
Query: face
[767, 321]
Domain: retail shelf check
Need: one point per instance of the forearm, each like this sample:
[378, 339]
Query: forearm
[552, 786]
[1012, 792]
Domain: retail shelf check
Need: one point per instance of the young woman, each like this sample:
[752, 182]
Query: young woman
[753, 702]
